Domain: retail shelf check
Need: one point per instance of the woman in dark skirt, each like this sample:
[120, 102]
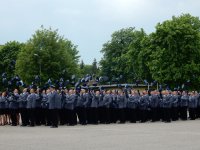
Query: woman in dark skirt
[2, 108]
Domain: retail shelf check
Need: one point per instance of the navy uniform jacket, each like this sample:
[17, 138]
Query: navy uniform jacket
[184, 101]
[44, 101]
[193, 102]
[2, 102]
[35, 100]
[80, 101]
[70, 102]
[31, 99]
[198, 99]
[144, 102]
[154, 101]
[58, 101]
[38, 100]
[13, 101]
[7, 102]
[23, 100]
[52, 100]
[88, 100]
[175, 101]
[95, 101]
[167, 101]
[133, 101]
[107, 100]
[101, 104]
[63, 97]
[113, 103]
[47, 102]
[121, 101]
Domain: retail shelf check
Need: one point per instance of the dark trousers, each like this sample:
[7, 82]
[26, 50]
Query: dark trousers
[154, 114]
[54, 117]
[114, 115]
[143, 114]
[62, 116]
[198, 112]
[71, 117]
[184, 113]
[132, 115]
[89, 115]
[31, 116]
[13, 116]
[107, 115]
[38, 116]
[47, 116]
[94, 115]
[101, 114]
[174, 113]
[121, 113]
[167, 115]
[81, 112]
[24, 116]
[43, 116]
[192, 113]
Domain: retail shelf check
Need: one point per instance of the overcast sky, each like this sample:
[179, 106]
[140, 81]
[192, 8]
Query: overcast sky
[87, 23]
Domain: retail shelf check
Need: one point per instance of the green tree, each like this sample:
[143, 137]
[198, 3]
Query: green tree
[82, 65]
[8, 56]
[175, 47]
[136, 58]
[47, 54]
[114, 61]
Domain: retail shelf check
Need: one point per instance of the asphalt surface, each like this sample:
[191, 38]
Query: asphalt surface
[180, 135]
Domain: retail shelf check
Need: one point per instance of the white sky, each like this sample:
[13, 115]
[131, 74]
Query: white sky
[87, 23]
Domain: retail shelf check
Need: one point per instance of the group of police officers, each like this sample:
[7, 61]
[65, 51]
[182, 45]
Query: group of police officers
[53, 107]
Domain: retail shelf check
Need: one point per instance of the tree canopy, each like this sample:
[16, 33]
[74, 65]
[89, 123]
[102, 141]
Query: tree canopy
[48, 55]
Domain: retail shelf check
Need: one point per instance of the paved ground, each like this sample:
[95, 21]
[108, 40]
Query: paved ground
[181, 135]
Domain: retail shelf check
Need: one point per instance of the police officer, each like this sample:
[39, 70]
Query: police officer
[143, 106]
[52, 107]
[94, 106]
[175, 105]
[192, 105]
[58, 104]
[166, 106]
[121, 106]
[13, 106]
[184, 105]
[48, 112]
[22, 107]
[80, 107]
[87, 104]
[37, 108]
[70, 108]
[31, 105]
[101, 113]
[62, 110]
[106, 104]
[132, 105]
[2, 108]
[114, 114]
[44, 108]
[154, 104]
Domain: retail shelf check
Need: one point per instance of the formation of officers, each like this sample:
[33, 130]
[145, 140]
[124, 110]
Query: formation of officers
[54, 107]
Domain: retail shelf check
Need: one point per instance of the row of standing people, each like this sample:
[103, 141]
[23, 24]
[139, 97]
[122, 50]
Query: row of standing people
[53, 107]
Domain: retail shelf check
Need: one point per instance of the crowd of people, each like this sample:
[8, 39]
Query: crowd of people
[53, 107]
